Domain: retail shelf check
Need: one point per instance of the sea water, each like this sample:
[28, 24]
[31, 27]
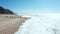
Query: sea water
[41, 24]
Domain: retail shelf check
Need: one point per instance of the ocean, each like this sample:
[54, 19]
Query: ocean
[41, 24]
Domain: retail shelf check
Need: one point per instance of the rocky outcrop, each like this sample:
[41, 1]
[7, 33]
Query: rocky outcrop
[5, 11]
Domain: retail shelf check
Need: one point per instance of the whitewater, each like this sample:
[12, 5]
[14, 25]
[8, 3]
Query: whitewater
[41, 24]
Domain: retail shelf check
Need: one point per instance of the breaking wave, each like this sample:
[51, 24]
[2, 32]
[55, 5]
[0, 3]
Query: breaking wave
[41, 24]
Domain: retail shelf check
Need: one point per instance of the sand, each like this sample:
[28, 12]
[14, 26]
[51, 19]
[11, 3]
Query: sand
[9, 24]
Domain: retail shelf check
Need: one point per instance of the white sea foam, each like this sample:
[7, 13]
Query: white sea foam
[41, 24]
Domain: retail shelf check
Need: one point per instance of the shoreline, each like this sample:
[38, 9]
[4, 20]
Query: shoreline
[12, 26]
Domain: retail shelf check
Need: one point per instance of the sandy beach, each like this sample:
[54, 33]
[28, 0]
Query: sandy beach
[10, 23]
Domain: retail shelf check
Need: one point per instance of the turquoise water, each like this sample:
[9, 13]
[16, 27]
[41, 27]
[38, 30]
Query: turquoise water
[41, 24]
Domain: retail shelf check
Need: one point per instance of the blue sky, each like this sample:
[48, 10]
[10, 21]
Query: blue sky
[32, 6]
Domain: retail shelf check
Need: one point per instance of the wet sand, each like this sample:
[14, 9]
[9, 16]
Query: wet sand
[9, 25]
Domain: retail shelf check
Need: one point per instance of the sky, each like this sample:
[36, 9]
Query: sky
[32, 6]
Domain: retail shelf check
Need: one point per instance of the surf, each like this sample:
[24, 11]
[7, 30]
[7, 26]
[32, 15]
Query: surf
[41, 24]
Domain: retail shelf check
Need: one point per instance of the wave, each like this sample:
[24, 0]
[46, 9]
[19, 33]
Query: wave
[41, 24]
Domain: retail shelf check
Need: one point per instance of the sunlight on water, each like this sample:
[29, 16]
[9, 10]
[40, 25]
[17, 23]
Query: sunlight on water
[41, 24]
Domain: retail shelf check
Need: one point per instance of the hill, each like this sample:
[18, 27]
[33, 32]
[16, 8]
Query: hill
[5, 11]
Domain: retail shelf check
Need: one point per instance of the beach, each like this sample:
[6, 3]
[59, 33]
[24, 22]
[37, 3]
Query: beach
[9, 24]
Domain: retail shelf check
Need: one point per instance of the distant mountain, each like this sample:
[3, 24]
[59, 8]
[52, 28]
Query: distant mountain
[5, 11]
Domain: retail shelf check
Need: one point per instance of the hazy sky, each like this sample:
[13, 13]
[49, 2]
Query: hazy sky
[32, 6]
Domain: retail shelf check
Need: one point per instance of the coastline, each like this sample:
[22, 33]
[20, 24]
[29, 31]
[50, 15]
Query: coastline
[10, 25]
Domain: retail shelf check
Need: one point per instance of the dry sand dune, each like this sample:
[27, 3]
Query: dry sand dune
[10, 23]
